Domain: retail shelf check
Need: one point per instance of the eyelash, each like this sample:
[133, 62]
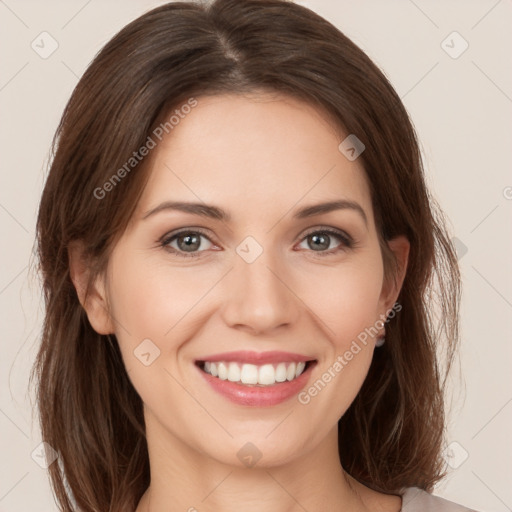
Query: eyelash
[347, 242]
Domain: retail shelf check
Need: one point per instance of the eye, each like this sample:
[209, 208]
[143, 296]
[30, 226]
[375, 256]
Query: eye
[320, 241]
[187, 242]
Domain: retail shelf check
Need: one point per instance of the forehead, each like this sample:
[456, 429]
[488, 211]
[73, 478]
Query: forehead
[251, 154]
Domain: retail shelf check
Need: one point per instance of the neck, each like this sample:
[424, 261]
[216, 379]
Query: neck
[184, 479]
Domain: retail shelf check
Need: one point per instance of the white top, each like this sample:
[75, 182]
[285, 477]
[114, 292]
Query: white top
[417, 500]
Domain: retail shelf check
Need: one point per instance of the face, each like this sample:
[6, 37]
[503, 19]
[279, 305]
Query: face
[269, 283]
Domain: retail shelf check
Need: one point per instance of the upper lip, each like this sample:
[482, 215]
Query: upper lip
[259, 358]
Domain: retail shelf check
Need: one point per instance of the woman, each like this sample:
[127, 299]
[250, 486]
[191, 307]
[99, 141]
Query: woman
[239, 256]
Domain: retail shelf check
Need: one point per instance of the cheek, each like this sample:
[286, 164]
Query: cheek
[150, 299]
[152, 305]
[345, 298]
[349, 307]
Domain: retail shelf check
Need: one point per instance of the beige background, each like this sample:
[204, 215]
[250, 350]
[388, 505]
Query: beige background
[462, 110]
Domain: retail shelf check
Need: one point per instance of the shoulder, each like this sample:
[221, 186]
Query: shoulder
[417, 500]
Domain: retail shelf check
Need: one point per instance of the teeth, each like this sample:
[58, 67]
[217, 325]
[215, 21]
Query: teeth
[281, 372]
[223, 371]
[290, 372]
[266, 375]
[251, 374]
[233, 372]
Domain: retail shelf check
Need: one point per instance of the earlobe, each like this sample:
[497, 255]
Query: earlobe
[400, 247]
[92, 299]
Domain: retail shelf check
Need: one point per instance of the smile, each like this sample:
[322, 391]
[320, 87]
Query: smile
[256, 379]
[254, 375]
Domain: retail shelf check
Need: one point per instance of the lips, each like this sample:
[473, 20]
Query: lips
[256, 379]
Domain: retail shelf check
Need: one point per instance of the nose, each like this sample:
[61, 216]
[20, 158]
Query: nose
[259, 297]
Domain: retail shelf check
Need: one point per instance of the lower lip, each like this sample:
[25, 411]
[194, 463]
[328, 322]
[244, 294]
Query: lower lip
[258, 396]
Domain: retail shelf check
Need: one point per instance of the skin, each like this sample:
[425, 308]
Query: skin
[260, 158]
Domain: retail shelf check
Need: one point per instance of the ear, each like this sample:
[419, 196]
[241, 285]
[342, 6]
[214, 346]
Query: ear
[94, 300]
[391, 287]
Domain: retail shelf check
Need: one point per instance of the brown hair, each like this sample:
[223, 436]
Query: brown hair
[89, 411]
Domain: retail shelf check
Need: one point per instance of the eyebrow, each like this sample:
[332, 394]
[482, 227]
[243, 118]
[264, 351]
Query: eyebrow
[217, 213]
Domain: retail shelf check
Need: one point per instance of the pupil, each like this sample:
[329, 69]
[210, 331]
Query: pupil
[321, 245]
[191, 241]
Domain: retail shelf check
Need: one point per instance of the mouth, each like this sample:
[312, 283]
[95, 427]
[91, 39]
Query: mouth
[252, 375]
[256, 379]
